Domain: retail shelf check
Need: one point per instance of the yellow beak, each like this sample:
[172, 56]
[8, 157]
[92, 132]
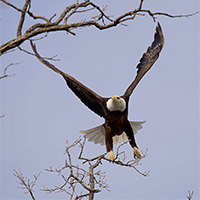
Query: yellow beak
[114, 98]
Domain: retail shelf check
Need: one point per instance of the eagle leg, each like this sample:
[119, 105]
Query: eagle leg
[109, 141]
[129, 132]
[136, 153]
[111, 156]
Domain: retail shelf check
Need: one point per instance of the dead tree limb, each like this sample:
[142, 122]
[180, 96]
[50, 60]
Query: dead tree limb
[92, 181]
[101, 20]
[190, 194]
[25, 183]
[6, 68]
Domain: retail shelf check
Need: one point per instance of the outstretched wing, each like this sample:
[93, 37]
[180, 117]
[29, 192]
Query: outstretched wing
[147, 60]
[92, 100]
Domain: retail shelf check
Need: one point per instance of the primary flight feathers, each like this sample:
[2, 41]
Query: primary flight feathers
[114, 109]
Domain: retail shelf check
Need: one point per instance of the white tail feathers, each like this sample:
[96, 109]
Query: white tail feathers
[97, 134]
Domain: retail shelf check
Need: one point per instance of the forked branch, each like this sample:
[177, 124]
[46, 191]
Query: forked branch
[190, 194]
[91, 181]
[25, 183]
[6, 68]
[100, 20]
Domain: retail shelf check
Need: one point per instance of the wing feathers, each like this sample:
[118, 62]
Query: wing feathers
[87, 96]
[92, 100]
[147, 60]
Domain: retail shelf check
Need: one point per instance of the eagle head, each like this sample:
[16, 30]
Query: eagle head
[116, 103]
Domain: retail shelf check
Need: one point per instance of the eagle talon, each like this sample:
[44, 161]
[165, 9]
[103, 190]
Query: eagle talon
[111, 156]
[136, 153]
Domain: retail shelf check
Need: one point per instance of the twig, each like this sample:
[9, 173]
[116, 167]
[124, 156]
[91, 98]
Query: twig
[21, 22]
[28, 11]
[5, 70]
[3, 115]
[189, 197]
[11, 5]
[76, 176]
[167, 15]
[26, 184]
[50, 58]
[40, 38]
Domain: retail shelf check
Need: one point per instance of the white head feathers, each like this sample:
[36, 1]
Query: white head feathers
[116, 104]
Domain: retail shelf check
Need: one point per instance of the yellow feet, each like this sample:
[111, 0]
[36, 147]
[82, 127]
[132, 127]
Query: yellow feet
[136, 153]
[111, 156]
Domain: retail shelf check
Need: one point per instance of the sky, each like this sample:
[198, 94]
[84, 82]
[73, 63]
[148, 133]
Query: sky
[42, 112]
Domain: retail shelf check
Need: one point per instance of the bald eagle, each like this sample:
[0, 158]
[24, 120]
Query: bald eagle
[114, 110]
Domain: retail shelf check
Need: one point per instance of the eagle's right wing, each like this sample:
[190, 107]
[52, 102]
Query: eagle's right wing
[92, 100]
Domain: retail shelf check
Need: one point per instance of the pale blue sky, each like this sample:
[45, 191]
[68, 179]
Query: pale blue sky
[42, 113]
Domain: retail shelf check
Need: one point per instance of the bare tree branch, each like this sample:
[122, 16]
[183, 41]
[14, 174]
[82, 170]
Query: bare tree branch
[11, 5]
[101, 21]
[5, 70]
[167, 15]
[50, 58]
[189, 197]
[118, 160]
[23, 14]
[3, 115]
[26, 183]
[6, 75]
[28, 11]
[77, 175]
